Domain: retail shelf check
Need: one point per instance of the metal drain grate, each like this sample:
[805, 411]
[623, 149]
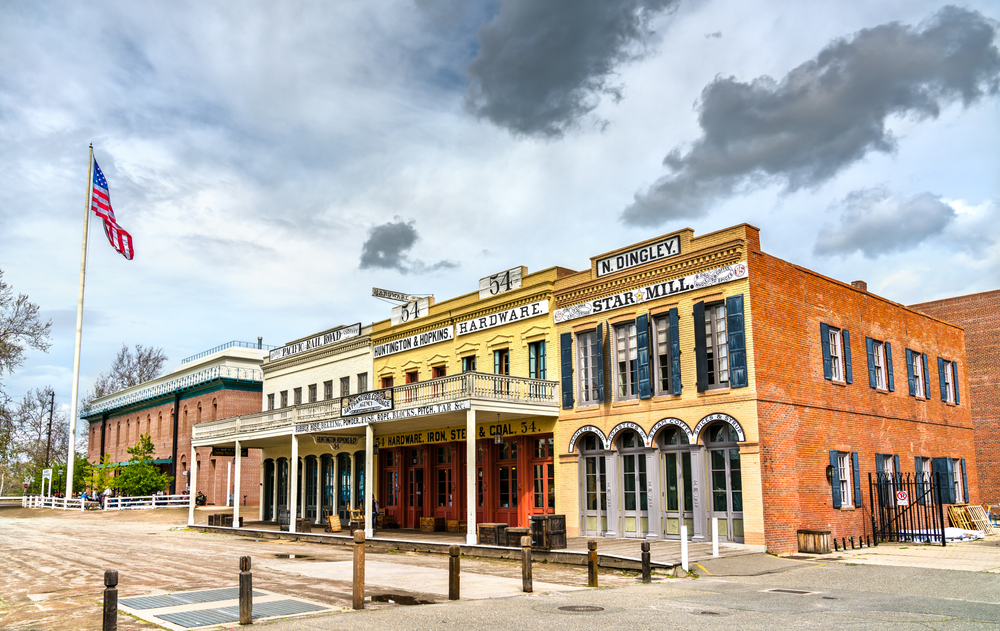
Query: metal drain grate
[222, 615]
[189, 598]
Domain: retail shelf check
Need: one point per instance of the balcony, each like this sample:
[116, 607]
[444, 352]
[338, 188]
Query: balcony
[534, 395]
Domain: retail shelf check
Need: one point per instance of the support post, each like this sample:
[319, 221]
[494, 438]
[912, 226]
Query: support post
[359, 569]
[526, 565]
[470, 472]
[369, 464]
[246, 591]
[591, 563]
[110, 600]
[684, 547]
[647, 570]
[229, 482]
[192, 484]
[293, 485]
[715, 536]
[236, 496]
[454, 572]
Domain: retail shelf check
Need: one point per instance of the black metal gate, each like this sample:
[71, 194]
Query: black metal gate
[906, 507]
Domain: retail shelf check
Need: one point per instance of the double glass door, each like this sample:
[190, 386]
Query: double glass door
[678, 493]
[726, 482]
[595, 501]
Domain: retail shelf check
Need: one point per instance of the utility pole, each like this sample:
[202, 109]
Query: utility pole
[48, 445]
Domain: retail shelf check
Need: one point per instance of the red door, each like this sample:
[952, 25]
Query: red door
[507, 486]
[445, 480]
[414, 487]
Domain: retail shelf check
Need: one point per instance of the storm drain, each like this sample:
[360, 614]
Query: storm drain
[788, 591]
[187, 598]
[224, 615]
[581, 608]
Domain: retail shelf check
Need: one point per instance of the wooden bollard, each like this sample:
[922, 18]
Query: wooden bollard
[647, 570]
[454, 572]
[246, 592]
[591, 563]
[110, 600]
[526, 565]
[359, 569]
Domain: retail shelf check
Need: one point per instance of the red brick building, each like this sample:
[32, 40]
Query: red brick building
[979, 314]
[222, 383]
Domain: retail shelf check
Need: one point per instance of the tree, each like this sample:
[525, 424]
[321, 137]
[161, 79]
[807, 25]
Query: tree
[139, 476]
[128, 369]
[25, 448]
[100, 476]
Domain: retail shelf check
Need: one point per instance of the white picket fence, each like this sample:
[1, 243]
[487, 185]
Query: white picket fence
[60, 503]
[146, 501]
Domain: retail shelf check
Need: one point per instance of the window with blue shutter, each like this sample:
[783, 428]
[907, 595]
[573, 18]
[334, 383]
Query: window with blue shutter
[675, 353]
[824, 340]
[870, 347]
[835, 482]
[954, 372]
[910, 377]
[642, 350]
[888, 367]
[856, 470]
[927, 377]
[737, 342]
[848, 372]
[599, 363]
[944, 478]
[965, 484]
[944, 386]
[700, 347]
[566, 366]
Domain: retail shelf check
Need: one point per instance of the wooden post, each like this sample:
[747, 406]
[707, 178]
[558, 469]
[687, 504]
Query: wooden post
[526, 565]
[454, 572]
[110, 600]
[359, 569]
[246, 592]
[591, 563]
[647, 570]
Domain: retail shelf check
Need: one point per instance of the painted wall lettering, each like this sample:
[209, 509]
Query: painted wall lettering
[666, 248]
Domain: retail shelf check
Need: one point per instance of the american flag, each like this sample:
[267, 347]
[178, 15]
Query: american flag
[100, 203]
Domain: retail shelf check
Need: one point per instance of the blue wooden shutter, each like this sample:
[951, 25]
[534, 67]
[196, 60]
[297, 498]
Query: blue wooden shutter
[927, 377]
[856, 469]
[497, 368]
[888, 368]
[824, 341]
[532, 361]
[965, 484]
[869, 345]
[909, 373]
[541, 359]
[880, 478]
[897, 473]
[835, 482]
[700, 347]
[944, 386]
[642, 350]
[954, 380]
[939, 469]
[919, 479]
[736, 342]
[566, 353]
[848, 373]
[598, 360]
[675, 353]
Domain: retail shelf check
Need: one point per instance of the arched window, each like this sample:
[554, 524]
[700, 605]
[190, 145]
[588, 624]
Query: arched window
[215, 409]
[198, 415]
[593, 473]
[726, 480]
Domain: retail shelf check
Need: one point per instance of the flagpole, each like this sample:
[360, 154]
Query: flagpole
[71, 456]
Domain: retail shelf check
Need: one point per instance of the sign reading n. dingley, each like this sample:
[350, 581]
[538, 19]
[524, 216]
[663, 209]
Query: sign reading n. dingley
[414, 341]
[504, 317]
[366, 402]
[707, 278]
[342, 333]
[668, 247]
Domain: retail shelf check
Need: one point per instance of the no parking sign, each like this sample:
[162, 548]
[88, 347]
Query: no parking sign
[902, 499]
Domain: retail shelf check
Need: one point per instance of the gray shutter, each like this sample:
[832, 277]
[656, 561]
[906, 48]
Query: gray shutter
[909, 373]
[737, 342]
[871, 362]
[540, 360]
[939, 469]
[700, 346]
[927, 377]
[642, 350]
[888, 368]
[965, 483]
[599, 363]
[675, 353]
[848, 373]
[856, 469]
[566, 353]
[898, 473]
[944, 387]
[824, 342]
[835, 482]
[950, 465]
[954, 380]
[918, 477]
[881, 484]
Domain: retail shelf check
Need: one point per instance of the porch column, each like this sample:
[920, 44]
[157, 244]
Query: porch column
[654, 494]
[319, 488]
[192, 478]
[229, 481]
[699, 486]
[236, 488]
[293, 484]
[369, 462]
[470, 476]
[614, 514]
[353, 504]
[274, 493]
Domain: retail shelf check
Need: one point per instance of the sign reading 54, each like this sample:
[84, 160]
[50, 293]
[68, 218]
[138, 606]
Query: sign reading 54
[499, 283]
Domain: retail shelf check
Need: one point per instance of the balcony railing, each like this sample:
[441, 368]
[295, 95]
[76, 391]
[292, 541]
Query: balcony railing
[469, 385]
[222, 347]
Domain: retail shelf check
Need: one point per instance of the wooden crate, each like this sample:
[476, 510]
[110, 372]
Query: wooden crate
[814, 541]
[457, 526]
[431, 524]
[514, 536]
[492, 534]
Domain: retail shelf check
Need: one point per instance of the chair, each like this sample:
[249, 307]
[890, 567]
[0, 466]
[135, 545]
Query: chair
[332, 522]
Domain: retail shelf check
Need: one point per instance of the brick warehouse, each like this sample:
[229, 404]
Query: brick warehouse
[979, 314]
[222, 382]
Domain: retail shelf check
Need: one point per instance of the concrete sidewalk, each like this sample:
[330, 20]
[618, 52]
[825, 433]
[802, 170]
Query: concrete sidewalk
[982, 555]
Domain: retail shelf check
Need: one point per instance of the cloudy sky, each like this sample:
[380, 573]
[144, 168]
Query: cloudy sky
[275, 161]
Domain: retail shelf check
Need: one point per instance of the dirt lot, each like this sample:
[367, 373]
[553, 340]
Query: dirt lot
[52, 565]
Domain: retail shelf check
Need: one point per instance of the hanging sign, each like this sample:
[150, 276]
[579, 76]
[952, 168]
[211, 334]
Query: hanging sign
[337, 335]
[414, 341]
[504, 317]
[633, 297]
[366, 402]
[499, 431]
[417, 308]
[229, 452]
[336, 442]
[46, 474]
[393, 295]
[499, 283]
[662, 249]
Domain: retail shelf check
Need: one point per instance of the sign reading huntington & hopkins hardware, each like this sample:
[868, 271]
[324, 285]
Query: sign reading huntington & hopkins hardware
[700, 280]
[414, 341]
[342, 333]
[662, 249]
[366, 402]
[504, 317]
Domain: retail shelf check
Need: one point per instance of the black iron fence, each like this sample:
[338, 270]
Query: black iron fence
[907, 507]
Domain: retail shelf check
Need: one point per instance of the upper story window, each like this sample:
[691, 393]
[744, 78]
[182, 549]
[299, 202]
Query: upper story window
[362, 382]
[916, 373]
[270, 401]
[879, 364]
[412, 377]
[438, 371]
[844, 471]
[836, 344]
[717, 347]
[469, 363]
[501, 362]
[662, 356]
[948, 377]
[836, 355]
[298, 396]
[536, 360]
[589, 368]
[312, 393]
[284, 398]
[345, 386]
[387, 382]
[626, 362]
[327, 390]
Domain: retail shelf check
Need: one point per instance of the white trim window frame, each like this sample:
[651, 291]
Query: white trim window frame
[586, 353]
[661, 356]
[959, 486]
[846, 484]
[918, 375]
[345, 386]
[626, 362]
[717, 346]
[878, 352]
[949, 382]
[836, 354]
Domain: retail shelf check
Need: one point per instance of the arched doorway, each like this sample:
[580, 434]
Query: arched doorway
[594, 487]
[282, 483]
[634, 484]
[329, 482]
[725, 480]
[268, 499]
[344, 487]
[678, 482]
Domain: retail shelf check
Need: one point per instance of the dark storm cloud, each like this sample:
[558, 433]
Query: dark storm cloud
[387, 246]
[543, 65]
[875, 222]
[824, 115]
